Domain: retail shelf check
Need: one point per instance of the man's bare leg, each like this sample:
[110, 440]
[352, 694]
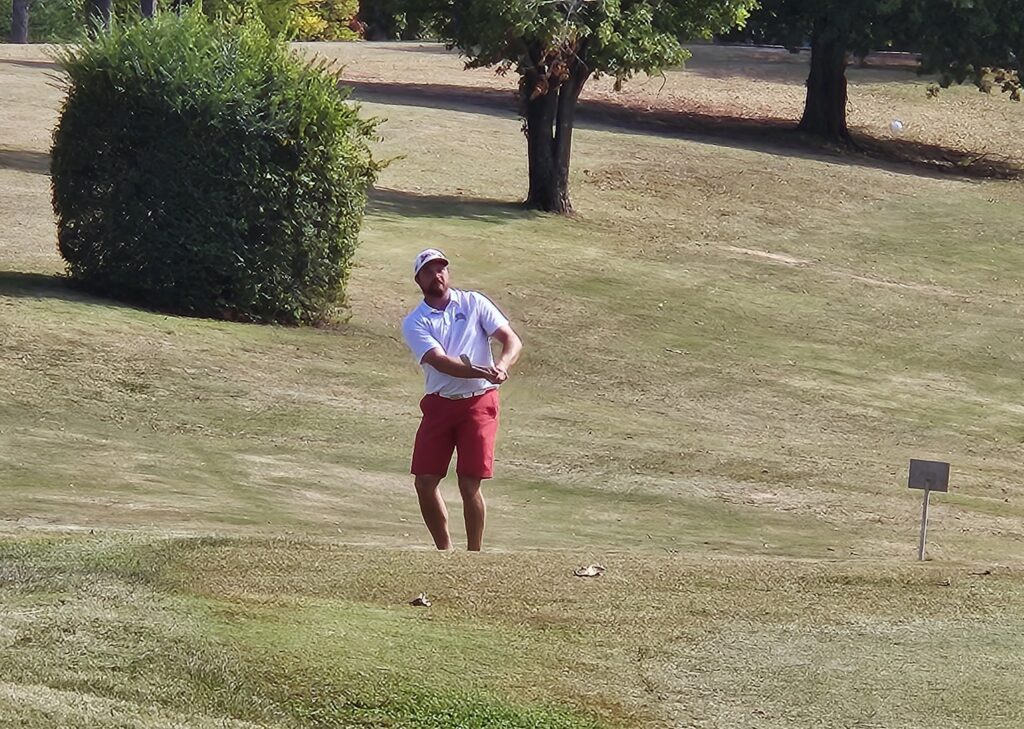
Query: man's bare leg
[474, 510]
[435, 513]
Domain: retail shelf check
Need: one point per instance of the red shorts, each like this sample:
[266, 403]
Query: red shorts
[468, 426]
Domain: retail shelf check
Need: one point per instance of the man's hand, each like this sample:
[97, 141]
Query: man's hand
[494, 375]
[497, 375]
[462, 367]
[491, 374]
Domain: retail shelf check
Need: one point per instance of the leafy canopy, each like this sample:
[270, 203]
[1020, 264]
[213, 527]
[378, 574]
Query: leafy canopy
[619, 38]
[859, 25]
[977, 40]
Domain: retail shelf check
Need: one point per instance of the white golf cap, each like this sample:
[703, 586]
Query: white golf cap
[425, 257]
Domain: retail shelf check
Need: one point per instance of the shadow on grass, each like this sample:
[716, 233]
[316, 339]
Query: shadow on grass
[54, 287]
[413, 47]
[385, 201]
[18, 284]
[777, 64]
[25, 160]
[774, 135]
[29, 63]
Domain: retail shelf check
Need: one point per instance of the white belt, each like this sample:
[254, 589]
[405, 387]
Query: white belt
[466, 395]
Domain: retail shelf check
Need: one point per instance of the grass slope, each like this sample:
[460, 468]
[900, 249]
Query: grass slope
[108, 631]
[731, 354]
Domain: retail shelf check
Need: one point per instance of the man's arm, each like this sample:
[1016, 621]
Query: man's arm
[454, 367]
[511, 346]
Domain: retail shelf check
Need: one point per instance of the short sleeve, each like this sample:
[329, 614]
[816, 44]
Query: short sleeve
[419, 339]
[490, 317]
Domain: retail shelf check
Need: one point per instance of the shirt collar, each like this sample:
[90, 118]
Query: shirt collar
[454, 300]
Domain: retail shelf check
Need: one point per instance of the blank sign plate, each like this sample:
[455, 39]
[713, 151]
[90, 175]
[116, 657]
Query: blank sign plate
[929, 475]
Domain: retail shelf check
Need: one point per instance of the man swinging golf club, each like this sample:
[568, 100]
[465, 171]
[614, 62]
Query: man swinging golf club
[449, 334]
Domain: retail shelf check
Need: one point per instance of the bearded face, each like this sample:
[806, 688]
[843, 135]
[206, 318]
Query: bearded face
[433, 279]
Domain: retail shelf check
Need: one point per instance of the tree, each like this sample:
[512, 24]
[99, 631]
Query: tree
[19, 21]
[981, 41]
[385, 20]
[555, 46]
[834, 29]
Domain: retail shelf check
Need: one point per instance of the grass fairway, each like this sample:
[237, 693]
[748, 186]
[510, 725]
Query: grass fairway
[731, 355]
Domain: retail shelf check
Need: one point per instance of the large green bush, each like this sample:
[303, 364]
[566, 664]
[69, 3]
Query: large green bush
[202, 168]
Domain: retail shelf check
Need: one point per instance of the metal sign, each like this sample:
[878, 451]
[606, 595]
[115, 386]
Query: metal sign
[929, 475]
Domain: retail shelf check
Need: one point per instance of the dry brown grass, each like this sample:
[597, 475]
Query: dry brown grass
[731, 354]
[766, 402]
[741, 93]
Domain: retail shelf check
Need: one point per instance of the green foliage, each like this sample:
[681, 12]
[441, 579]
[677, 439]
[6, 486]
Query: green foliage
[275, 15]
[49, 20]
[200, 167]
[612, 37]
[304, 20]
[981, 41]
[324, 20]
[394, 19]
[57, 21]
[860, 25]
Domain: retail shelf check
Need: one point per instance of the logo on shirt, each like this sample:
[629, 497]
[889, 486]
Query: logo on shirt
[460, 316]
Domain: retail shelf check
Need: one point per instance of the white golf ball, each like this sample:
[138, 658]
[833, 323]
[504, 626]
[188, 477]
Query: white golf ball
[895, 126]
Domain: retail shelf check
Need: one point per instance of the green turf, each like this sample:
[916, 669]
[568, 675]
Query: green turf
[731, 354]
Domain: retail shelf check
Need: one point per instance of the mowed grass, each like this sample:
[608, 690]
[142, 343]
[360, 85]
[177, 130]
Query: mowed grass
[732, 353]
[125, 632]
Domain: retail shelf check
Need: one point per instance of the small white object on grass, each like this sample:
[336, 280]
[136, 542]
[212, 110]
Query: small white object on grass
[593, 570]
[896, 126]
[420, 600]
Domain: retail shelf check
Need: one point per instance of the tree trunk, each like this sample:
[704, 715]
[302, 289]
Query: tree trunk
[19, 21]
[549, 123]
[825, 108]
[148, 8]
[97, 15]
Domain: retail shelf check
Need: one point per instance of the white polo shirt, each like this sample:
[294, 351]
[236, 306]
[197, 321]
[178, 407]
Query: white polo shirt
[465, 326]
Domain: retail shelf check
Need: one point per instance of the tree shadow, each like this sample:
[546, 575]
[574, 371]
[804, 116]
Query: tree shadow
[774, 135]
[414, 47]
[477, 100]
[57, 287]
[385, 201]
[29, 63]
[21, 285]
[776, 64]
[25, 160]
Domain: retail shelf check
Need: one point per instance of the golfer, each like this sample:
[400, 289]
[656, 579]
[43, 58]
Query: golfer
[449, 334]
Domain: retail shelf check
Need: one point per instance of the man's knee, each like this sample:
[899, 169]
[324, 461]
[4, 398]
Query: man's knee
[426, 484]
[469, 485]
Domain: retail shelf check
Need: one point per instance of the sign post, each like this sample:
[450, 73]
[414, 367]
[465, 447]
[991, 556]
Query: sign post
[927, 476]
[924, 526]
